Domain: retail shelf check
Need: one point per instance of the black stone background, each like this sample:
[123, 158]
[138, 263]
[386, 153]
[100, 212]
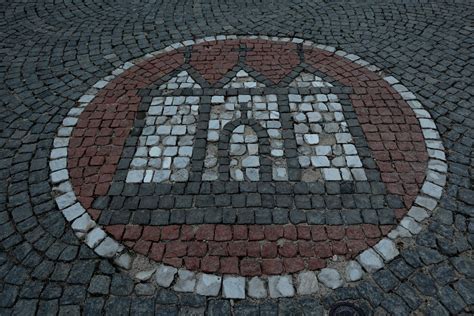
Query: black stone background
[53, 51]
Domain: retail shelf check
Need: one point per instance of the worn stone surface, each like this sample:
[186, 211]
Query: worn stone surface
[208, 285]
[280, 286]
[51, 59]
[330, 277]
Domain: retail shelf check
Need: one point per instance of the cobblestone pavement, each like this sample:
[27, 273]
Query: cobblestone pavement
[245, 157]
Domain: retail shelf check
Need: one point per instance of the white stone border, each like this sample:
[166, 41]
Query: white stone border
[234, 287]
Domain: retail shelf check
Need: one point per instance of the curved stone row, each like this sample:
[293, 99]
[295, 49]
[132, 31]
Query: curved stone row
[371, 259]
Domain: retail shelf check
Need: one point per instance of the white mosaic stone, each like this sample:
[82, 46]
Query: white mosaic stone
[399, 231]
[387, 249]
[432, 190]
[164, 275]
[74, 211]
[426, 202]
[311, 139]
[144, 275]
[59, 176]
[208, 284]
[280, 174]
[256, 288]
[411, 225]
[135, 176]
[331, 174]
[353, 271]
[65, 200]
[307, 283]
[108, 248]
[330, 278]
[418, 213]
[370, 260]
[185, 282]
[233, 287]
[161, 175]
[83, 223]
[320, 161]
[251, 161]
[124, 261]
[281, 286]
[94, 237]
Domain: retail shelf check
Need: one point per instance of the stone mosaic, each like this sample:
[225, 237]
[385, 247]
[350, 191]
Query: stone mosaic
[78, 79]
[372, 259]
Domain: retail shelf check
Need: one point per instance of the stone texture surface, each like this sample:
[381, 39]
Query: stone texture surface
[45, 269]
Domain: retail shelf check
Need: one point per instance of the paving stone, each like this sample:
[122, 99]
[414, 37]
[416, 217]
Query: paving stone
[185, 282]
[164, 275]
[353, 271]
[256, 288]
[99, 285]
[307, 283]
[233, 287]
[387, 249]
[370, 260]
[75, 66]
[330, 278]
[280, 286]
[208, 285]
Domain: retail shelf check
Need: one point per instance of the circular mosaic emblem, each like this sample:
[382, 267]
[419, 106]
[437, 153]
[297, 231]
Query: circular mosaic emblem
[257, 157]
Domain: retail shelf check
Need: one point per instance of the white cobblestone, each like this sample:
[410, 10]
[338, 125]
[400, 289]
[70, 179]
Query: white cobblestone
[164, 275]
[208, 284]
[233, 287]
[330, 278]
[281, 286]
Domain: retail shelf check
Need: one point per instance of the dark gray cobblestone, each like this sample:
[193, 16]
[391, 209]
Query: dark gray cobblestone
[53, 51]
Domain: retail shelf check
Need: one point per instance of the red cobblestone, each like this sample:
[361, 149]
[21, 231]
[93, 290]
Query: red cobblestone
[272, 266]
[293, 264]
[170, 232]
[250, 267]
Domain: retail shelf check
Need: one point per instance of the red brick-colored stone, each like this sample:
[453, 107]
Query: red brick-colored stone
[316, 263]
[306, 248]
[175, 249]
[318, 233]
[269, 250]
[197, 249]
[223, 233]
[132, 232]
[253, 249]
[192, 263]
[273, 233]
[240, 232]
[205, 232]
[304, 232]
[238, 249]
[217, 248]
[151, 233]
[142, 246]
[170, 232]
[371, 231]
[229, 265]
[322, 250]
[293, 264]
[116, 231]
[289, 232]
[288, 249]
[272, 266]
[210, 264]
[256, 232]
[335, 232]
[156, 251]
[250, 267]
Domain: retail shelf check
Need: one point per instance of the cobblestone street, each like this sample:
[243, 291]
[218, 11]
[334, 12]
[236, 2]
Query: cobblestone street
[236, 157]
